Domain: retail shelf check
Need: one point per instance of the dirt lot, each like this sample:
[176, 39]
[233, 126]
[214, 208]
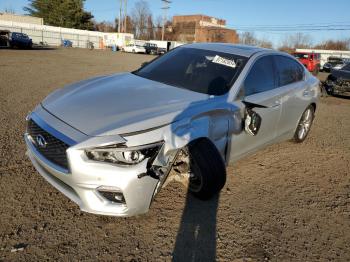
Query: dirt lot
[286, 203]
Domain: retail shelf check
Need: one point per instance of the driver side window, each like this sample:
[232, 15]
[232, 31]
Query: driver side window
[261, 77]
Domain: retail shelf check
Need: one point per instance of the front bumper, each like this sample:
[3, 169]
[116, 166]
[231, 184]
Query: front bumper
[84, 177]
[335, 89]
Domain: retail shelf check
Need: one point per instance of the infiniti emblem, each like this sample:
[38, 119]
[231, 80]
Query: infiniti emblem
[40, 141]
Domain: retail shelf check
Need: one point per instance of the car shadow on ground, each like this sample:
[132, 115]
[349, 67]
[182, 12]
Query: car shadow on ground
[196, 237]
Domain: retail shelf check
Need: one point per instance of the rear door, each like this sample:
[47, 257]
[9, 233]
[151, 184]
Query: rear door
[259, 87]
[292, 88]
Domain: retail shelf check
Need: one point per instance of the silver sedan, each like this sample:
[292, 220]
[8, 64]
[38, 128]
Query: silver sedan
[112, 142]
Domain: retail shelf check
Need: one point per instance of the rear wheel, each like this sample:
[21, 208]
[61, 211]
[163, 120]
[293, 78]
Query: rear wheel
[304, 125]
[207, 169]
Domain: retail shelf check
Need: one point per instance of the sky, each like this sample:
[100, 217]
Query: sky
[258, 16]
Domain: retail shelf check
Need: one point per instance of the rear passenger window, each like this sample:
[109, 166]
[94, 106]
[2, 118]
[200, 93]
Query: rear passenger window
[261, 77]
[289, 71]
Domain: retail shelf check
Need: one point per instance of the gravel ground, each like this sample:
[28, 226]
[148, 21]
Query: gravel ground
[289, 202]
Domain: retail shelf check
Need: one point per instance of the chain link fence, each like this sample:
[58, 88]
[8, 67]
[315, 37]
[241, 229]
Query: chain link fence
[53, 36]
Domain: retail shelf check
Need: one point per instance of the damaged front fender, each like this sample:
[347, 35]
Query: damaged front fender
[215, 125]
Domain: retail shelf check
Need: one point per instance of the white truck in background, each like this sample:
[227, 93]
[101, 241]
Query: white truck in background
[325, 54]
[118, 39]
[168, 45]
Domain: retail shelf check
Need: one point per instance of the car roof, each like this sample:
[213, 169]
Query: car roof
[242, 50]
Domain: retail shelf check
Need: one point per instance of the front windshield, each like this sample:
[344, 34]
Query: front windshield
[335, 60]
[198, 70]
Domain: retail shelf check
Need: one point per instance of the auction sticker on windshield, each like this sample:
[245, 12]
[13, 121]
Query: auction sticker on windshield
[223, 61]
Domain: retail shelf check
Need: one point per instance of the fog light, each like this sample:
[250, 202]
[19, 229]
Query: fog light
[111, 194]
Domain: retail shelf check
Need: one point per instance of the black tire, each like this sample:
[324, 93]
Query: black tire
[298, 138]
[208, 171]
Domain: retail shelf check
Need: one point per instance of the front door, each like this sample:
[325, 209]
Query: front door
[258, 88]
[294, 93]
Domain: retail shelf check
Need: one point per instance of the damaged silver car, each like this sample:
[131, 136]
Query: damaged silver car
[109, 143]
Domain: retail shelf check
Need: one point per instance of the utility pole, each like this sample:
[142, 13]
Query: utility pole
[125, 14]
[165, 9]
[120, 16]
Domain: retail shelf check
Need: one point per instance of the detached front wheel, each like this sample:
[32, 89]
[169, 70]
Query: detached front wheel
[304, 125]
[207, 169]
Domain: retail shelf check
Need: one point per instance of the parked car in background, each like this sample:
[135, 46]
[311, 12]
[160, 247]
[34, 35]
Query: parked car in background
[4, 38]
[134, 48]
[151, 49]
[310, 60]
[161, 50]
[19, 40]
[338, 82]
[194, 110]
[334, 63]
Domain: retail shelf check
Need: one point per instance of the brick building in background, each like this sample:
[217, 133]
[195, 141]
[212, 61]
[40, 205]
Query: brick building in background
[202, 28]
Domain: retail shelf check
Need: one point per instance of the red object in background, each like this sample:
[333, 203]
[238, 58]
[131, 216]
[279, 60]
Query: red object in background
[310, 60]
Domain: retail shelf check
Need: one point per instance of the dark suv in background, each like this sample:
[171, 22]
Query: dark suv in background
[338, 82]
[334, 63]
[151, 49]
[19, 40]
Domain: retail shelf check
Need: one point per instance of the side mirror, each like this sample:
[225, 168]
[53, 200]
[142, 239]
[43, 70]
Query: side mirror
[252, 120]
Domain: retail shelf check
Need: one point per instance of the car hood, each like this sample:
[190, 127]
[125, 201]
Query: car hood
[341, 74]
[119, 104]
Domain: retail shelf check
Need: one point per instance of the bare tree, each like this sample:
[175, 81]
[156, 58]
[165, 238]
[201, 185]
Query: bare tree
[298, 40]
[105, 27]
[150, 27]
[158, 28]
[129, 28]
[139, 16]
[265, 43]
[334, 45]
[9, 10]
[248, 38]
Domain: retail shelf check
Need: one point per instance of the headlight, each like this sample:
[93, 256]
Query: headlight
[123, 155]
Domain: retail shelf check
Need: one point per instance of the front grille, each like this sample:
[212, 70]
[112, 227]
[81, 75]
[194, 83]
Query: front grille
[51, 147]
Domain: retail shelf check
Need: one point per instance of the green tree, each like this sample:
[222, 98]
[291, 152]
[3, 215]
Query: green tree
[63, 13]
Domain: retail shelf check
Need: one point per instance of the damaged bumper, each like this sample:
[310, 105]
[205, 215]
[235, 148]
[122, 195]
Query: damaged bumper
[88, 184]
[337, 88]
[98, 187]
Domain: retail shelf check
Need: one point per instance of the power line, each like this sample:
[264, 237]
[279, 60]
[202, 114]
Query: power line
[284, 25]
[330, 26]
[291, 29]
